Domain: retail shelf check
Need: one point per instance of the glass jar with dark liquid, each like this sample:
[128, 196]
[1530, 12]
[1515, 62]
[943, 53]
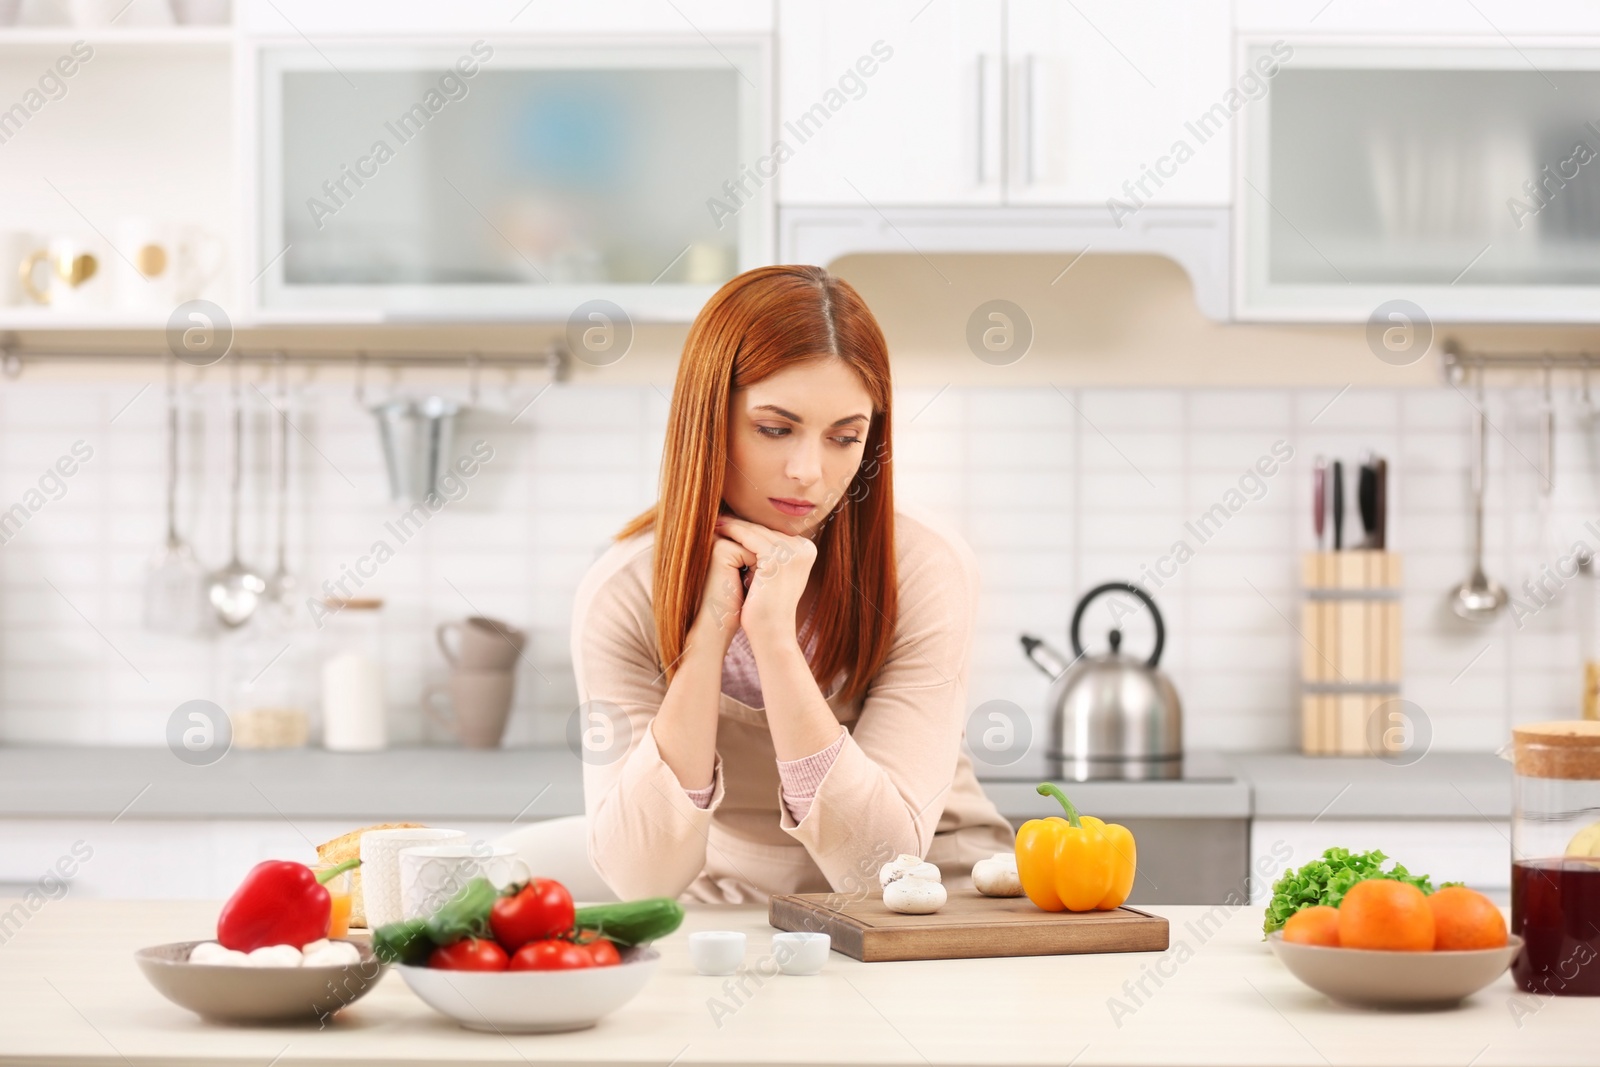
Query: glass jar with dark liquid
[1555, 857]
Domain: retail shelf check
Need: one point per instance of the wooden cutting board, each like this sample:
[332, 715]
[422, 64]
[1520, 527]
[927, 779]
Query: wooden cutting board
[969, 925]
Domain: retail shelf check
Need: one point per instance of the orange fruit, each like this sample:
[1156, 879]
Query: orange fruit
[1318, 925]
[1380, 913]
[1465, 919]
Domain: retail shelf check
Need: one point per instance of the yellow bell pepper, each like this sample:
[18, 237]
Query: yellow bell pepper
[1074, 864]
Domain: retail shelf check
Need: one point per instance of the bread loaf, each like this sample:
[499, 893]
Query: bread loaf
[348, 847]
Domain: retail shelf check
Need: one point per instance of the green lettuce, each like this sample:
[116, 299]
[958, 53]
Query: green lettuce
[1327, 880]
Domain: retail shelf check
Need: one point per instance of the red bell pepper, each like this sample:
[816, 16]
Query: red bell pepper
[280, 902]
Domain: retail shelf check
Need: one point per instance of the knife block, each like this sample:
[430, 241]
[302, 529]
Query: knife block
[1350, 658]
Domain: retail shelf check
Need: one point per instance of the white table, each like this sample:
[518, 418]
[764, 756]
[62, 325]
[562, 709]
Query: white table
[71, 994]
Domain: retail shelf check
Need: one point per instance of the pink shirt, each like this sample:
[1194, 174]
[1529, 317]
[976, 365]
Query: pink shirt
[800, 777]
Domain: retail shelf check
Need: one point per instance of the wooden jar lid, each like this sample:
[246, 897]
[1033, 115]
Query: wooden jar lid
[1566, 749]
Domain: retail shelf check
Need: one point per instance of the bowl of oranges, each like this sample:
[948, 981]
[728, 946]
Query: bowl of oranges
[1390, 945]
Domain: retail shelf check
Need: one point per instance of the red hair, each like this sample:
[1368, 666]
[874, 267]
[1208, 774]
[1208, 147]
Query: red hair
[764, 321]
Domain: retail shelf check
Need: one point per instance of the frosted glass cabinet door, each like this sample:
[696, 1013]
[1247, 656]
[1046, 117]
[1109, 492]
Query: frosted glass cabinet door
[1464, 179]
[495, 181]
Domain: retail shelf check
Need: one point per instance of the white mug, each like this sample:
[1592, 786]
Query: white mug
[15, 248]
[72, 275]
[431, 874]
[163, 264]
[380, 867]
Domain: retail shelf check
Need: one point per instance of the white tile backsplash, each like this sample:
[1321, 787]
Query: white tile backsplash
[1056, 490]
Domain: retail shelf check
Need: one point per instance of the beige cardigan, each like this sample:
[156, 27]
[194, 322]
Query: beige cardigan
[902, 783]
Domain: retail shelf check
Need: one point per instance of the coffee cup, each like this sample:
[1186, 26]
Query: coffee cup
[480, 643]
[431, 874]
[473, 705]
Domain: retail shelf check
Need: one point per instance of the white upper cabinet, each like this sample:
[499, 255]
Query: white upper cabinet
[1120, 98]
[1491, 18]
[1006, 102]
[896, 103]
[1457, 177]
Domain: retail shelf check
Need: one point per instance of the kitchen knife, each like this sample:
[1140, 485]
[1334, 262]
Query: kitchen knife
[1338, 505]
[1382, 536]
[1319, 502]
[1367, 501]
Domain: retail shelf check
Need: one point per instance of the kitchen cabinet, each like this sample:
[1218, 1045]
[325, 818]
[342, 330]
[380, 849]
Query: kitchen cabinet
[504, 179]
[1488, 18]
[1002, 126]
[1459, 176]
[1104, 94]
[923, 127]
[1476, 851]
[1003, 101]
[166, 859]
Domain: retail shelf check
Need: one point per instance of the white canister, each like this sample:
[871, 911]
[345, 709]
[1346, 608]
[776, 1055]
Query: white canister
[431, 874]
[380, 867]
[353, 718]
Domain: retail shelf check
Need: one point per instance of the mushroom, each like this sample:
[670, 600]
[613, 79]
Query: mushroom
[331, 954]
[914, 896]
[906, 865]
[997, 876]
[273, 956]
[210, 953]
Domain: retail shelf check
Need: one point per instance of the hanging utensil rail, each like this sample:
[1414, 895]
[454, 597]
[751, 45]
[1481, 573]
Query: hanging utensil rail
[553, 358]
[1457, 361]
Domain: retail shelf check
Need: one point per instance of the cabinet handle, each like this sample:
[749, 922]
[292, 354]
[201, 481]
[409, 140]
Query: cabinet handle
[982, 112]
[1027, 130]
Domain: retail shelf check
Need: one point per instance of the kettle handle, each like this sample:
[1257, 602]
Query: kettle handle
[1125, 587]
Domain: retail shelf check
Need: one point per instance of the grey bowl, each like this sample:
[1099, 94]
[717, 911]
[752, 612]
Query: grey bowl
[230, 994]
[1372, 979]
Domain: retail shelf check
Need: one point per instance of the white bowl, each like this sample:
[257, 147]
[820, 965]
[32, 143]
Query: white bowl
[716, 951]
[533, 1002]
[1371, 978]
[801, 951]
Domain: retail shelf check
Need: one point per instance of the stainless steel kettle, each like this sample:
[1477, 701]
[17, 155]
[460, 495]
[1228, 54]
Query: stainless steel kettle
[1112, 715]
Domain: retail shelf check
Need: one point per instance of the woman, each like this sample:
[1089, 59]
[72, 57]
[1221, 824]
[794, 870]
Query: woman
[773, 662]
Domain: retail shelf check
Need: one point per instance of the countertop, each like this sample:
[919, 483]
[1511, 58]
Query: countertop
[539, 783]
[73, 995]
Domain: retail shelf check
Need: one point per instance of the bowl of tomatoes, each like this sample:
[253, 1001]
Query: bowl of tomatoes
[524, 959]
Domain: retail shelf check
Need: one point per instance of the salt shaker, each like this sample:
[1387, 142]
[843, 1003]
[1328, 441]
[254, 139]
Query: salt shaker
[352, 677]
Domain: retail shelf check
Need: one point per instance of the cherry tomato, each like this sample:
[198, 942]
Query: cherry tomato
[604, 952]
[551, 956]
[469, 954]
[541, 909]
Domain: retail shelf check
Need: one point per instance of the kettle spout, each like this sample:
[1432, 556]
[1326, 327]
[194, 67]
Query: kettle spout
[1044, 657]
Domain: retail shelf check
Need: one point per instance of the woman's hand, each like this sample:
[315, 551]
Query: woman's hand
[782, 568]
[723, 597]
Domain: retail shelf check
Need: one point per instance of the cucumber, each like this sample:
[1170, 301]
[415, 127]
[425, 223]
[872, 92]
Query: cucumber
[403, 942]
[466, 914]
[632, 922]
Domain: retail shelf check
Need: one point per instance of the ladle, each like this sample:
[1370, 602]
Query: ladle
[235, 590]
[1478, 599]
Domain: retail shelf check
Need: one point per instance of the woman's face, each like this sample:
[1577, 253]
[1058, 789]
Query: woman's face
[795, 441]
